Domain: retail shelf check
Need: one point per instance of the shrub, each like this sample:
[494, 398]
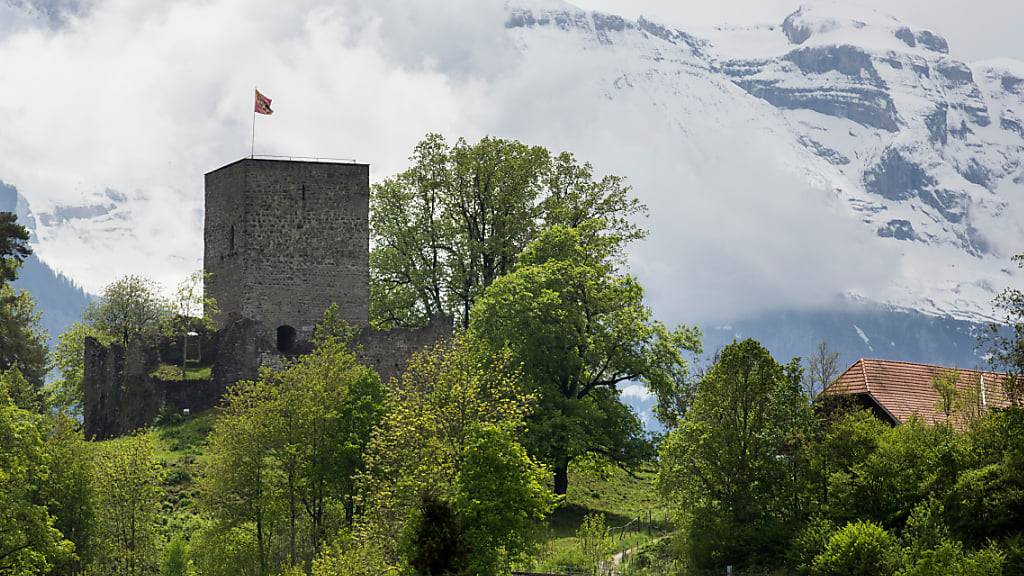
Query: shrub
[809, 543]
[858, 549]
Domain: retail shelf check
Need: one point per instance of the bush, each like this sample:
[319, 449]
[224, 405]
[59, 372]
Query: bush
[858, 549]
[949, 559]
[809, 543]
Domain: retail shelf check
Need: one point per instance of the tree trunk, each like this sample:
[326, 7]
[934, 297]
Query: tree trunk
[562, 475]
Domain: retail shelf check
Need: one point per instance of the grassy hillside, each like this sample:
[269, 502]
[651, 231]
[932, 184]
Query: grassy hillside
[629, 502]
[180, 447]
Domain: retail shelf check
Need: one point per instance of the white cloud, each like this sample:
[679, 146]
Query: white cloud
[637, 391]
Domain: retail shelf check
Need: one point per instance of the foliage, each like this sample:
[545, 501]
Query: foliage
[22, 339]
[128, 506]
[502, 496]
[909, 463]
[29, 542]
[580, 330]
[431, 411]
[220, 551]
[14, 246]
[71, 491]
[808, 543]
[175, 560]
[129, 308]
[349, 557]
[858, 549]
[437, 542]
[284, 453]
[594, 541]
[457, 219]
[735, 467]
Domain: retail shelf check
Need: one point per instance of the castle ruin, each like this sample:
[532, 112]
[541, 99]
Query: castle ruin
[283, 241]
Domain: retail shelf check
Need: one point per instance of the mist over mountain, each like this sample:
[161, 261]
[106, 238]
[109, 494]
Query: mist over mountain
[58, 298]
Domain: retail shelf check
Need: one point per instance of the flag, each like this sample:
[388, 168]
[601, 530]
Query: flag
[263, 104]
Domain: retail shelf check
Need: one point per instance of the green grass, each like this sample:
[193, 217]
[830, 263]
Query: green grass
[192, 372]
[180, 448]
[631, 506]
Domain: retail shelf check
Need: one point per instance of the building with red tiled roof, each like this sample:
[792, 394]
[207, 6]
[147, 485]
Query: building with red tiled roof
[896, 390]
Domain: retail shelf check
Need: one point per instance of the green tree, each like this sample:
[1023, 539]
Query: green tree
[189, 310]
[29, 542]
[735, 468]
[14, 246]
[22, 339]
[175, 560]
[285, 451]
[859, 549]
[581, 329]
[350, 557]
[128, 478]
[129, 308]
[454, 409]
[594, 541]
[436, 539]
[502, 497]
[70, 490]
[238, 486]
[457, 219]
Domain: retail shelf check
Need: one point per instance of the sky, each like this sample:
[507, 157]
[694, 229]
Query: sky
[137, 100]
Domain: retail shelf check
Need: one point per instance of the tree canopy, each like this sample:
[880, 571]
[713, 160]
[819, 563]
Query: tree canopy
[446, 228]
[580, 329]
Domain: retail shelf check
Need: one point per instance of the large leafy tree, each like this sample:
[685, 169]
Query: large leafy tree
[129, 308]
[733, 468]
[446, 228]
[580, 329]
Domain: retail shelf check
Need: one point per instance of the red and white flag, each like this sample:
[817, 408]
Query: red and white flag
[263, 104]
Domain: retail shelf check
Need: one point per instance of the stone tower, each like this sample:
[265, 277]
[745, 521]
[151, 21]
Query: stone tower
[286, 239]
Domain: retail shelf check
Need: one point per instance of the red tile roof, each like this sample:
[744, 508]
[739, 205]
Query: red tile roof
[902, 389]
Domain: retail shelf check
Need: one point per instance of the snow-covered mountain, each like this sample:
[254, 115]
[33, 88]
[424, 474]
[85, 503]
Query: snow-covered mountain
[923, 150]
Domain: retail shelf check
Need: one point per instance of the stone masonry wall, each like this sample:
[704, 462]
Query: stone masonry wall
[389, 352]
[300, 243]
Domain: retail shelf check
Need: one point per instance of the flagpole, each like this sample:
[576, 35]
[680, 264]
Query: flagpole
[252, 145]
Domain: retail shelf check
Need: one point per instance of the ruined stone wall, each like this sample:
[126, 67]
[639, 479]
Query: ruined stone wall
[388, 352]
[301, 241]
[119, 395]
